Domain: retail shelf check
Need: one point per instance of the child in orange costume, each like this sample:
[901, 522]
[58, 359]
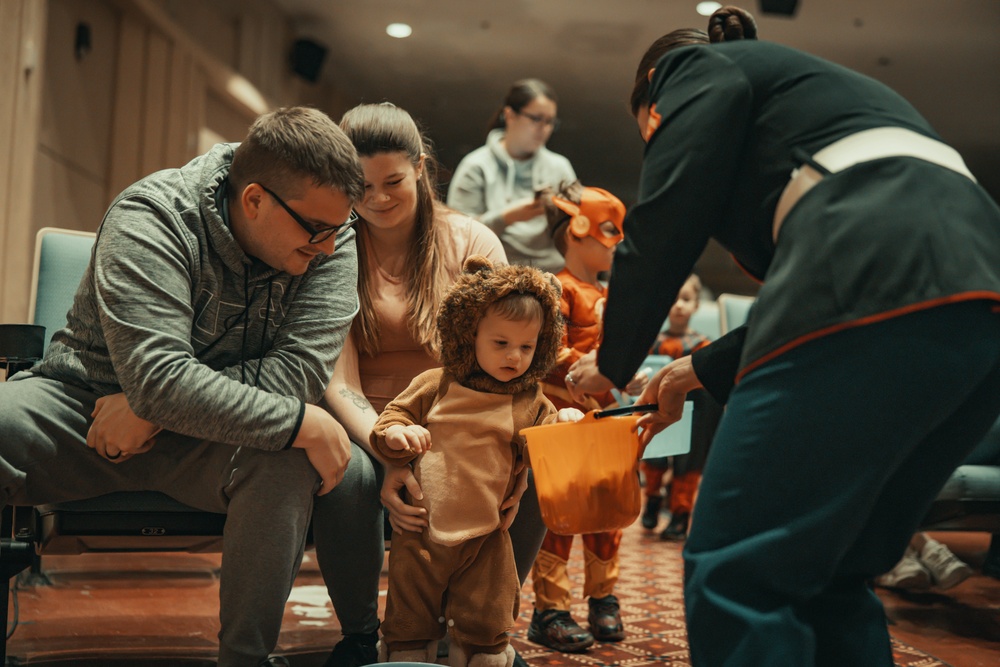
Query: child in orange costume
[587, 225]
[679, 340]
[459, 425]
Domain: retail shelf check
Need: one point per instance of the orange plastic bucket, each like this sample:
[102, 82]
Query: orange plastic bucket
[586, 473]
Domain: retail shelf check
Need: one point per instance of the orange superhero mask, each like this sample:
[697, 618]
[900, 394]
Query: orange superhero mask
[596, 207]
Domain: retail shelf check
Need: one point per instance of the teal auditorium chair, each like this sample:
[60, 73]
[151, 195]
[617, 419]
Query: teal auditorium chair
[706, 319]
[117, 522]
[969, 501]
[734, 309]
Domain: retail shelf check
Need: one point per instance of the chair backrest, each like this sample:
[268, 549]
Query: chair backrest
[733, 311]
[61, 257]
[706, 319]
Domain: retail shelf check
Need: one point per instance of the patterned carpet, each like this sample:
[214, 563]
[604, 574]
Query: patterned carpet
[650, 593]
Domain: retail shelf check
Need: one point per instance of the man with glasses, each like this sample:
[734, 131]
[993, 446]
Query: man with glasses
[203, 333]
[315, 235]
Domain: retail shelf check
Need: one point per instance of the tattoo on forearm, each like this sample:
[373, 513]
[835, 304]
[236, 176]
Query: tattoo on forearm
[359, 400]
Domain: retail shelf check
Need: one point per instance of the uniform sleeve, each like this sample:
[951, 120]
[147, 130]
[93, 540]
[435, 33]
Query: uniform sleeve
[716, 364]
[467, 193]
[410, 407]
[704, 104]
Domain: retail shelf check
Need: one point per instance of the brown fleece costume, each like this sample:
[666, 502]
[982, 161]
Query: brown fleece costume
[460, 572]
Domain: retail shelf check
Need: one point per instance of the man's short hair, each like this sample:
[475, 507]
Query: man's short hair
[287, 146]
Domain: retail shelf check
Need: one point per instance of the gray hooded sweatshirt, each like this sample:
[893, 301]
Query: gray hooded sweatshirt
[203, 339]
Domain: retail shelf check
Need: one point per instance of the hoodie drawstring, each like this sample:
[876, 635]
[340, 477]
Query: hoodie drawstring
[246, 328]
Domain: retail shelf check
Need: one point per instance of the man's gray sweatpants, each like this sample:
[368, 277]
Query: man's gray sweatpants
[268, 497]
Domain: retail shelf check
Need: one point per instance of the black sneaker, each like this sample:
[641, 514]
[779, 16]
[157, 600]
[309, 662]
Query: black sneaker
[605, 619]
[354, 651]
[677, 529]
[557, 630]
[651, 515]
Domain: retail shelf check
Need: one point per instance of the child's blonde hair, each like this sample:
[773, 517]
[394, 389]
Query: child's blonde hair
[519, 307]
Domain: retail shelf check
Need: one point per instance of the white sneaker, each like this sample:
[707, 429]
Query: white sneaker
[945, 567]
[909, 573]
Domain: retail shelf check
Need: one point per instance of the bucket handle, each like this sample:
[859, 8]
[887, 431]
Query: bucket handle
[627, 410]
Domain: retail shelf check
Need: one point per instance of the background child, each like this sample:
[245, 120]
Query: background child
[499, 330]
[587, 225]
[678, 340]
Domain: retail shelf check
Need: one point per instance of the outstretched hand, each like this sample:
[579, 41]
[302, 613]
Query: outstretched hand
[584, 378]
[668, 389]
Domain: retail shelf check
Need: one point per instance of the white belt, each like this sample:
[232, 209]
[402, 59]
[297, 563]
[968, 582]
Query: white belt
[864, 146]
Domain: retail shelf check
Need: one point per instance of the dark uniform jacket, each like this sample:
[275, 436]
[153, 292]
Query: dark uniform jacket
[878, 239]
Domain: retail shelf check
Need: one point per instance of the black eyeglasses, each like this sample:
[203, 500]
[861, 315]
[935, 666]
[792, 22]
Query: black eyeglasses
[540, 120]
[316, 235]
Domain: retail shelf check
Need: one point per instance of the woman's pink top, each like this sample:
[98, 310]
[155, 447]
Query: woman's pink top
[401, 358]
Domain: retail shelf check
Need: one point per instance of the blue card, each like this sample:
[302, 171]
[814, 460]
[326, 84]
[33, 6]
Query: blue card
[673, 440]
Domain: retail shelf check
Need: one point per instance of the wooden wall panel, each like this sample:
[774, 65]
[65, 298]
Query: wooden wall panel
[180, 126]
[10, 76]
[22, 22]
[127, 113]
[156, 83]
[163, 79]
[78, 93]
[81, 201]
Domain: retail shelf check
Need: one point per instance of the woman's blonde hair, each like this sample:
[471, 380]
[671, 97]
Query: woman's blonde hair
[385, 128]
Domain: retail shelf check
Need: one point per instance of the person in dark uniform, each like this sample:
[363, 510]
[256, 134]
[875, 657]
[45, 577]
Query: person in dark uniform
[870, 365]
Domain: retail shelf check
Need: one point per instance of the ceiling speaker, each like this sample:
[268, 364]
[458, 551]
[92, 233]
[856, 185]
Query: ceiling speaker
[307, 59]
[783, 7]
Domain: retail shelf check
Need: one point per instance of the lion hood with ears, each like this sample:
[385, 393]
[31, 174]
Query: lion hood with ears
[481, 285]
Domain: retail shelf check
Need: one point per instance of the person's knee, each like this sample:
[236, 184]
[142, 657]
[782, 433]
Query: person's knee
[286, 474]
[15, 420]
[24, 434]
[361, 483]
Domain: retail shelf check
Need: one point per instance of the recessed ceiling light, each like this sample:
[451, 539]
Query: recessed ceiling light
[706, 8]
[398, 30]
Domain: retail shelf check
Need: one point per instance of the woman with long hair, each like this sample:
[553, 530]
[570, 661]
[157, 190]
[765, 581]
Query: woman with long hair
[870, 365]
[501, 182]
[411, 248]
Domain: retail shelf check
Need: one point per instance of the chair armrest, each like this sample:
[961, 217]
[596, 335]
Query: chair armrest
[21, 345]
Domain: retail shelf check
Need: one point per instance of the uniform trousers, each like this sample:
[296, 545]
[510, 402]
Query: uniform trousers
[825, 462]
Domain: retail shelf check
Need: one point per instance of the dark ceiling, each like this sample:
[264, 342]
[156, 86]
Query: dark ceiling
[452, 73]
